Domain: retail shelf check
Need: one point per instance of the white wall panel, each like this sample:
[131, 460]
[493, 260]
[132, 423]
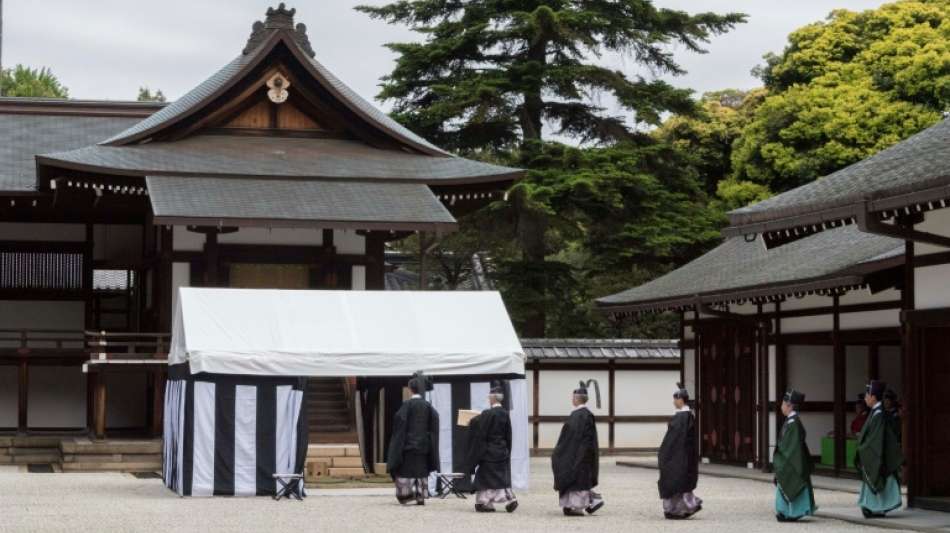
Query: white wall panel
[932, 287]
[856, 362]
[644, 392]
[689, 371]
[818, 425]
[888, 318]
[274, 236]
[57, 397]
[181, 277]
[349, 242]
[809, 371]
[630, 435]
[557, 387]
[358, 274]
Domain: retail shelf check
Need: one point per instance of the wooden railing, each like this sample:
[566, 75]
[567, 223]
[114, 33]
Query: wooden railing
[105, 346]
[41, 342]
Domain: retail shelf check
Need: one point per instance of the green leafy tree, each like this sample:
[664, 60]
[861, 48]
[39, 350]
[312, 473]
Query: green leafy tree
[490, 75]
[844, 89]
[24, 81]
[146, 95]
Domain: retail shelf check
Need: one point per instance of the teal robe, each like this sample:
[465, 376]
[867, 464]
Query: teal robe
[879, 460]
[794, 495]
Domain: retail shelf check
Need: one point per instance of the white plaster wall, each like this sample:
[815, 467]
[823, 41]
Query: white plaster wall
[810, 371]
[644, 392]
[557, 387]
[932, 287]
[57, 397]
[548, 433]
[802, 324]
[628, 435]
[126, 400]
[887, 318]
[117, 243]
[359, 278]
[818, 425]
[689, 371]
[24, 231]
[348, 242]
[187, 241]
[15, 314]
[936, 221]
[181, 277]
[274, 236]
[856, 361]
[8, 396]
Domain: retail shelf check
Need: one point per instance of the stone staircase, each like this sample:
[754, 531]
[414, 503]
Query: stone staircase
[25, 450]
[329, 412]
[82, 454]
[335, 461]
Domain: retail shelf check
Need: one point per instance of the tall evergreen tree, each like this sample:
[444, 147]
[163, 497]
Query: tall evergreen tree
[29, 82]
[491, 74]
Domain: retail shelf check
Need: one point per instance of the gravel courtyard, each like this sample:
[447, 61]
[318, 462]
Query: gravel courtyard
[120, 502]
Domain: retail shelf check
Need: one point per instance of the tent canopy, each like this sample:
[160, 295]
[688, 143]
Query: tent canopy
[344, 333]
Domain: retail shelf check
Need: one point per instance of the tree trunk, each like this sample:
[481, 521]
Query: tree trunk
[532, 225]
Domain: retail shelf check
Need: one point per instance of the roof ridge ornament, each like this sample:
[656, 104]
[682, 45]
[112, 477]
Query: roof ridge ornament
[279, 18]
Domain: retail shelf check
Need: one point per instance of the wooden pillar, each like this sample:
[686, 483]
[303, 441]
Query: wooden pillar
[611, 395]
[100, 415]
[763, 396]
[913, 393]
[164, 279]
[840, 383]
[781, 367]
[683, 348]
[536, 404]
[329, 266]
[158, 402]
[23, 396]
[87, 275]
[376, 269]
[697, 383]
[211, 258]
[423, 244]
[874, 362]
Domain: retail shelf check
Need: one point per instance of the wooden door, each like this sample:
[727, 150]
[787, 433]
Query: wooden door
[934, 354]
[727, 373]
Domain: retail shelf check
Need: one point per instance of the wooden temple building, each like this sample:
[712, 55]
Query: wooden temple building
[820, 289]
[270, 173]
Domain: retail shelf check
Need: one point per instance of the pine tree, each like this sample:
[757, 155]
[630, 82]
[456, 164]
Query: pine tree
[490, 75]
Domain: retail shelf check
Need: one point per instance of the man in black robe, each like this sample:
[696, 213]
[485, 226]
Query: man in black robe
[892, 408]
[575, 460]
[414, 446]
[489, 455]
[679, 461]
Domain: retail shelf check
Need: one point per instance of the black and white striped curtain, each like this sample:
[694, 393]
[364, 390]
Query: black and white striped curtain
[449, 398]
[229, 435]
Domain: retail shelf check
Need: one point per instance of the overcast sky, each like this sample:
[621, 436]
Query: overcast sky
[107, 49]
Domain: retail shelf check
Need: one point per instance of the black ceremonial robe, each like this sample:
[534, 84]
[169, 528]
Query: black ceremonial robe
[576, 455]
[792, 460]
[678, 460]
[414, 446]
[489, 449]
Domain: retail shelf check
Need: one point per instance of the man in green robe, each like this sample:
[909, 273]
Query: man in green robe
[878, 458]
[794, 495]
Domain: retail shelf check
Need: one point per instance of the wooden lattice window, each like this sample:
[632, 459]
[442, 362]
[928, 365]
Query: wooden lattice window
[41, 266]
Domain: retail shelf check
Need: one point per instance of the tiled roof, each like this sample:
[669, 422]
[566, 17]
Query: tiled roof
[916, 164]
[737, 267]
[22, 136]
[293, 203]
[600, 349]
[229, 155]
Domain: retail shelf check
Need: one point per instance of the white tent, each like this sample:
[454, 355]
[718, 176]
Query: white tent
[344, 333]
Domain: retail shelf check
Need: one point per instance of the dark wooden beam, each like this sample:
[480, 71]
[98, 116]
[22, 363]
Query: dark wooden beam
[781, 367]
[535, 409]
[23, 395]
[840, 385]
[611, 395]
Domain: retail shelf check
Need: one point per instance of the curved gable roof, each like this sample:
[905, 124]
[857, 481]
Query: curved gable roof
[269, 36]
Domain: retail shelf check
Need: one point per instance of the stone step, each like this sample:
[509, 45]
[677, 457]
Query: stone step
[45, 458]
[112, 458]
[150, 466]
[111, 447]
[346, 462]
[347, 472]
[30, 451]
[326, 451]
[29, 441]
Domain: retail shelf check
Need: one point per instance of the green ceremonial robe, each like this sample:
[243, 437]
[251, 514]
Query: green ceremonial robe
[879, 461]
[793, 466]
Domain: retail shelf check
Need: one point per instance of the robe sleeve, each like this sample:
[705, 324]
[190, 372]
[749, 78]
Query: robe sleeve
[791, 461]
[396, 442]
[434, 464]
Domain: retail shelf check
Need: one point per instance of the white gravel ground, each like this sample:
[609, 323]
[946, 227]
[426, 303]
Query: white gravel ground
[120, 502]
